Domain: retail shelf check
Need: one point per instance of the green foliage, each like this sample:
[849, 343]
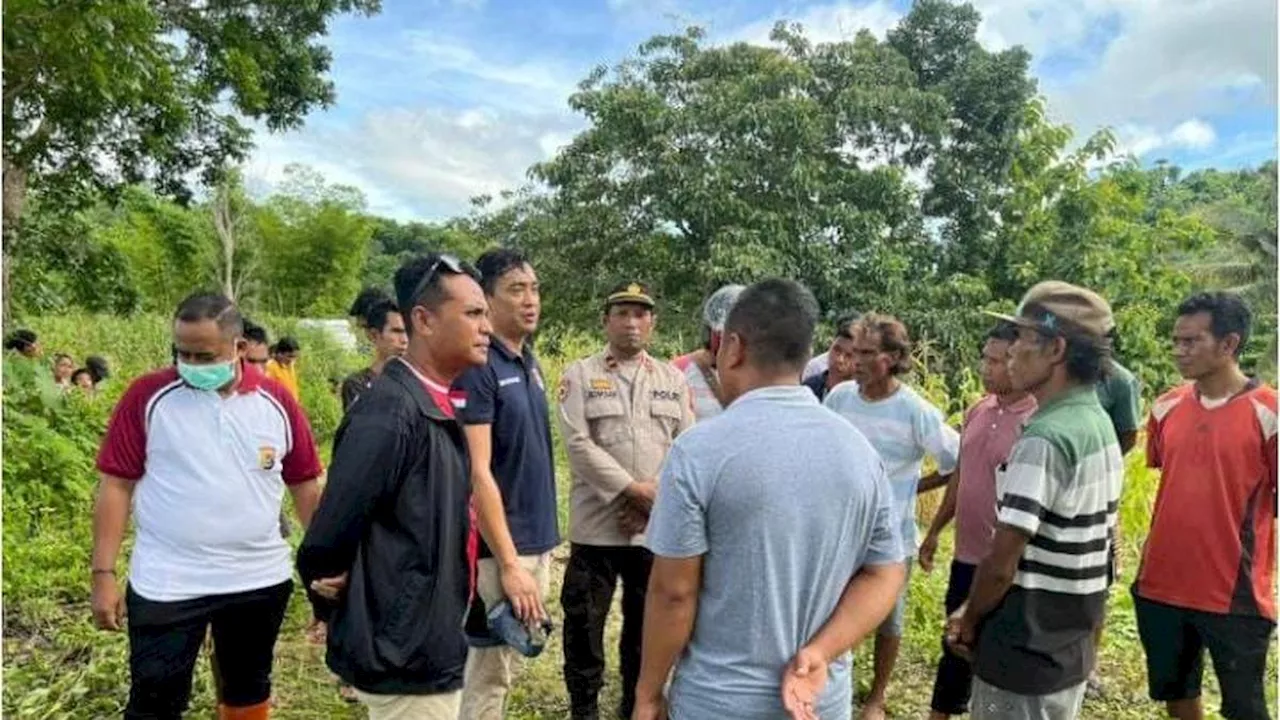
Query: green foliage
[393, 243]
[156, 89]
[66, 265]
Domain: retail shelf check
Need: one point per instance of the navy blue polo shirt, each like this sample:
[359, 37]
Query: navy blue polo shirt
[508, 393]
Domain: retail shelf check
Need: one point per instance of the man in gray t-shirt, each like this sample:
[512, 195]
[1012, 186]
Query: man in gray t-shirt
[770, 563]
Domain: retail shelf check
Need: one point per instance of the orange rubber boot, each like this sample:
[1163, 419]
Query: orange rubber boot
[261, 711]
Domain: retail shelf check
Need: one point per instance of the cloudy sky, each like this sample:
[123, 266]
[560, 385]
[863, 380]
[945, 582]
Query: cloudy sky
[441, 100]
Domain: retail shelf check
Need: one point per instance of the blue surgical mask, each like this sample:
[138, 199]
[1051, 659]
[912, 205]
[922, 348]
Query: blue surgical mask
[213, 376]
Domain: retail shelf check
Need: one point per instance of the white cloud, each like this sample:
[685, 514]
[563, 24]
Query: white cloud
[1195, 134]
[1190, 58]
[422, 162]
[1141, 141]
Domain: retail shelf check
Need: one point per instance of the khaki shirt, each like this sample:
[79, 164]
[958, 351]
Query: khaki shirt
[618, 423]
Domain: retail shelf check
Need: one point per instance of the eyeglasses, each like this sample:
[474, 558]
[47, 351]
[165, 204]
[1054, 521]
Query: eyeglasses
[449, 262]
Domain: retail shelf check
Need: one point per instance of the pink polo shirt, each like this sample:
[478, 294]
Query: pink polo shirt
[989, 433]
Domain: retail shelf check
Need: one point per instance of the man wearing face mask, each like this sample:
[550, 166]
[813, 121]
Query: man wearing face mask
[203, 452]
[699, 366]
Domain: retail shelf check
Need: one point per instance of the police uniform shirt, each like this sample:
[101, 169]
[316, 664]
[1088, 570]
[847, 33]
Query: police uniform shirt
[618, 421]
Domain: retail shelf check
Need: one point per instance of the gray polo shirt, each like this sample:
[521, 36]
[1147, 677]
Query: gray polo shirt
[781, 533]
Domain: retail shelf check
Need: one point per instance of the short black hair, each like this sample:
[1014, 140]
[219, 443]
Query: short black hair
[212, 306]
[1003, 330]
[411, 290]
[98, 368]
[287, 344]
[776, 319]
[83, 371]
[498, 262]
[20, 340]
[254, 333]
[1227, 311]
[60, 357]
[844, 324]
[368, 297]
[376, 314]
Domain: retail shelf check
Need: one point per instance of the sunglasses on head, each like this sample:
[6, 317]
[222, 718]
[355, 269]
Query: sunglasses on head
[448, 262]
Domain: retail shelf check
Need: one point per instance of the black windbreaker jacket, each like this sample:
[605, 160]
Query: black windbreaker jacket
[395, 514]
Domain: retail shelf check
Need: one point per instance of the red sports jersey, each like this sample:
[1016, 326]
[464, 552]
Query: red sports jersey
[1212, 541]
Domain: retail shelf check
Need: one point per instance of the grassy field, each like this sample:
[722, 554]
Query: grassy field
[56, 665]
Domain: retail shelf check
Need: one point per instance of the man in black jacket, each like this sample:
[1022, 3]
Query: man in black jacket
[390, 554]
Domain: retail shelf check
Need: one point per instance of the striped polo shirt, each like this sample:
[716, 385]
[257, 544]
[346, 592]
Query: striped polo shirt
[1061, 488]
[210, 475]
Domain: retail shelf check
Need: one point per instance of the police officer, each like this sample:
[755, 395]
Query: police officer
[620, 410]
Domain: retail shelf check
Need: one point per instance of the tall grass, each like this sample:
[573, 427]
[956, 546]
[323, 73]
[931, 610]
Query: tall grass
[57, 666]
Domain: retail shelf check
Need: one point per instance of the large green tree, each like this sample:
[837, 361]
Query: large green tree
[314, 238]
[112, 92]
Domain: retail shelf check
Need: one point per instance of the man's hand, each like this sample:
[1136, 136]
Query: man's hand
[642, 493]
[927, 550]
[521, 590]
[317, 632]
[650, 709]
[330, 588]
[107, 603]
[802, 682]
[961, 633]
[631, 519]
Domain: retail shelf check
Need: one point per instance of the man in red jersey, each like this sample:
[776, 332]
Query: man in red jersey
[1208, 564]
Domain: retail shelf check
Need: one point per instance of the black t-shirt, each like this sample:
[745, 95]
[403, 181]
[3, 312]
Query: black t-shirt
[818, 384]
[355, 384]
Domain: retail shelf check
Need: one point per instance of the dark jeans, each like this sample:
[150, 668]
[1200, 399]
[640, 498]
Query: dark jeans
[165, 640]
[954, 680]
[589, 582]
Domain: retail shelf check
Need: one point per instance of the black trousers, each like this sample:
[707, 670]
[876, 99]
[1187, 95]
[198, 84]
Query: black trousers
[954, 681]
[165, 640]
[589, 582]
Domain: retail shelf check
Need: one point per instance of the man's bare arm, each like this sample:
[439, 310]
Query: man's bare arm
[306, 498]
[933, 481]
[110, 521]
[669, 610]
[995, 574]
[517, 583]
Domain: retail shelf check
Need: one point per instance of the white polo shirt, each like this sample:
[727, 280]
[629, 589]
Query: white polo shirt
[211, 473]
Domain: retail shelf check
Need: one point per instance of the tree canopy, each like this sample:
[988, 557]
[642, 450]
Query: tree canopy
[918, 174]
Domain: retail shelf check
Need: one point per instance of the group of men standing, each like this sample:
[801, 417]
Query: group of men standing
[760, 526]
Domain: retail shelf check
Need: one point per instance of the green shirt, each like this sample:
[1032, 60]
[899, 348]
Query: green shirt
[1120, 397]
[1061, 487]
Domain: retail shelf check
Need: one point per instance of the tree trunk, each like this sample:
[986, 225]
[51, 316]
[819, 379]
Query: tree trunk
[224, 224]
[15, 196]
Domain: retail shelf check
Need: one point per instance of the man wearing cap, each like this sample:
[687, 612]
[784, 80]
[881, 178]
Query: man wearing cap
[1038, 595]
[699, 366]
[619, 413]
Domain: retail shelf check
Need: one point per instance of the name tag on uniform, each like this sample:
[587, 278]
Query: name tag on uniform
[503, 382]
[666, 395]
[601, 385]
